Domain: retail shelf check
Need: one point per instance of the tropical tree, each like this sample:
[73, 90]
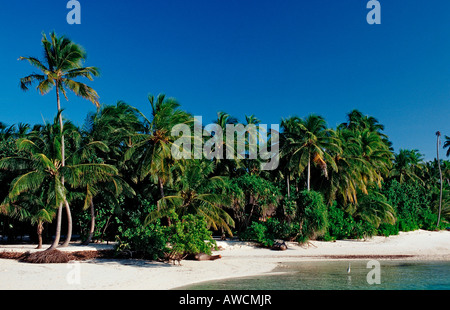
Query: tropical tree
[438, 144]
[40, 169]
[151, 149]
[408, 164]
[63, 62]
[108, 134]
[33, 207]
[194, 194]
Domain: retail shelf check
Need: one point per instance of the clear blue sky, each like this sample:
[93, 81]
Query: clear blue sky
[270, 58]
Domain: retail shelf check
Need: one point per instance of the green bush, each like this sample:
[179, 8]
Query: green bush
[144, 241]
[267, 232]
[340, 223]
[258, 232]
[411, 202]
[311, 215]
[190, 235]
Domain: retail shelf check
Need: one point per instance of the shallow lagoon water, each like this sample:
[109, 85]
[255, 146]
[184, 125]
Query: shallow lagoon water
[334, 275]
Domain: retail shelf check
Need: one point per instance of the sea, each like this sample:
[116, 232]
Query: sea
[343, 275]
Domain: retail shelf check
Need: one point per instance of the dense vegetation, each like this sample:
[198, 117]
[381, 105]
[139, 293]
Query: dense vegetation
[117, 178]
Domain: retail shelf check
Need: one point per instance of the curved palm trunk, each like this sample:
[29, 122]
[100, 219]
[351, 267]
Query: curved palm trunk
[438, 134]
[69, 225]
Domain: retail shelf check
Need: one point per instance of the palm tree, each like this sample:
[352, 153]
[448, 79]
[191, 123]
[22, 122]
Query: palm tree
[31, 206]
[40, 169]
[438, 135]
[152, 148]
[107, 134]
[63, 62]
[309, 141]
[407, 165]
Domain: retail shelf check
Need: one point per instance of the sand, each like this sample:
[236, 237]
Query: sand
[239, 259]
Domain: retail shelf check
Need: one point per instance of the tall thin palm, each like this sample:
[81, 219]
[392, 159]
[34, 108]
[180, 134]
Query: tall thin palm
[438, 144]
[63, 62]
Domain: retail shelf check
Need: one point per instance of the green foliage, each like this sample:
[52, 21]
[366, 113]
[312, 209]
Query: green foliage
[146, 241]
[190, 235]
[267, 232]
[411, 203]
[340, 222]
[312, 215]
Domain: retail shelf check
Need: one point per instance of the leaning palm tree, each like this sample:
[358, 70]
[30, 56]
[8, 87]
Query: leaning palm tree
[39, 169]
[63, 62]
[438, 135]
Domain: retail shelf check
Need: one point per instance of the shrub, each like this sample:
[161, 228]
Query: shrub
[144, 241]
[258, 232]
[340, 223]
[311, 216]
[190, 235]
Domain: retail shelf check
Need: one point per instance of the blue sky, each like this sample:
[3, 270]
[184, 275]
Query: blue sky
[270, 58]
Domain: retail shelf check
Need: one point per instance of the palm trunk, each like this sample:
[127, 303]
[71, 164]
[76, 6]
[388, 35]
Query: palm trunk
[40, 228]
[309, 171]
[161, 187]
[438, 134]
[69, 225]
[59, 214]
[92, 229]
[288, 186]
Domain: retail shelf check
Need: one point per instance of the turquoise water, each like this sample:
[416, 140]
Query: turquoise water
[334, 275]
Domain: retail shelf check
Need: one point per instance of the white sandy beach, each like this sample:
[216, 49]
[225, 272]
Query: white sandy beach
[239, 259]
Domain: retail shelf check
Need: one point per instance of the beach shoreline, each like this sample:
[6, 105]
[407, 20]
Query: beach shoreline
[239, 259]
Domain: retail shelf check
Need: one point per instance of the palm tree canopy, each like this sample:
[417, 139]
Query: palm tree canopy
[63, 62]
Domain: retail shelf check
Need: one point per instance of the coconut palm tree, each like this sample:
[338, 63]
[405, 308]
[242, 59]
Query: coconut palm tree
[438, 144]
[407, 166]
[108, 134]
[39, 167]
[194, 194]
[33, 207]
[152, 149]
[307, 142]
[63, 62]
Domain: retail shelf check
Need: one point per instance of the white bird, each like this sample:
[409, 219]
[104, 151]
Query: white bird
[348, 269]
